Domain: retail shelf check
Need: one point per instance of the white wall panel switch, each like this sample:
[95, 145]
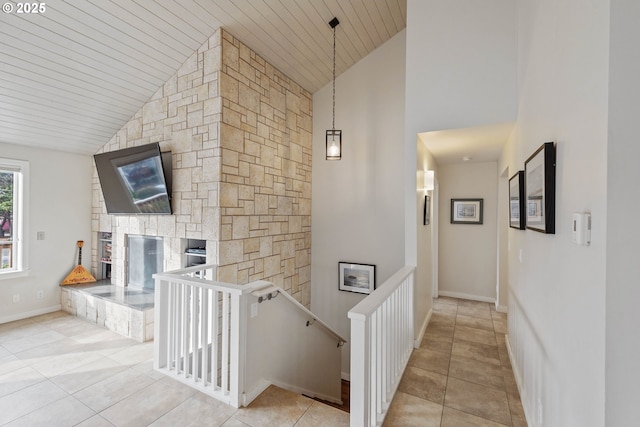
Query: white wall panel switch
[581, 228]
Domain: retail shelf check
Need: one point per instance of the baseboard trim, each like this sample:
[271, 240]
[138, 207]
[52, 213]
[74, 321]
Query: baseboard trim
[31, 313]
[466, 296]
[249, 397]
[502, 308]
[423, 329]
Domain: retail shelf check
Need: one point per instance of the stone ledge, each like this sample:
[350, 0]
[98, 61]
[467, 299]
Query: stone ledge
[127, 312]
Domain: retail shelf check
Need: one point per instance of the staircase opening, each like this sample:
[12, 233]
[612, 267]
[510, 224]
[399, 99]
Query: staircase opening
[346, 391]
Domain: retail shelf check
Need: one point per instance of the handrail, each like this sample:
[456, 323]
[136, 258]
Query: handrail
[181, 276]
[373, 300]
[262, 288]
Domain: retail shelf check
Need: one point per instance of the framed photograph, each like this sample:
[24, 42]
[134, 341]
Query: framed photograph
[360, 278]
[427, 210]
[517, 216]
[540, 183]
[466, 211]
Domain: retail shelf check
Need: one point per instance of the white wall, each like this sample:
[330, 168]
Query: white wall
[311, 366]
[502, 270]
[461, 64]
[623, 251]
[557, 289]
[467, 258]
[426, 236]
[357, 206]
[60, 206]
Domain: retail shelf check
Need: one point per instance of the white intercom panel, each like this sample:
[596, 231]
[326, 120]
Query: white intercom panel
[581, 232]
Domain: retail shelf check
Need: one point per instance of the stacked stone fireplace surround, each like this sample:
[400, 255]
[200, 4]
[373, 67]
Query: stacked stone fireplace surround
[240, 133]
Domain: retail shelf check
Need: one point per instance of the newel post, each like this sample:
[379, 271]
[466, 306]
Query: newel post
[160, 323]
[360, 398]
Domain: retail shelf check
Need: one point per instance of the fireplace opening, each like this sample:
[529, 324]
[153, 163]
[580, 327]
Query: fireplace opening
[145, 257]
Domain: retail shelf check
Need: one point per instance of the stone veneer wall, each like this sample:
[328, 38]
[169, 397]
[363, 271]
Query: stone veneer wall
[265, 189]
[240, 135]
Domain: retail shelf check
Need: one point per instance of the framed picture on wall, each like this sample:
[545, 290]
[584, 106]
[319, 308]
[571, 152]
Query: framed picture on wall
[540, 184]
[360, 278]
[466, 211]
[427, 210]
[517, 216]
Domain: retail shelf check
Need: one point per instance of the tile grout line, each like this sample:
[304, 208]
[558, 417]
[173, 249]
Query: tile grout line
[455, 320]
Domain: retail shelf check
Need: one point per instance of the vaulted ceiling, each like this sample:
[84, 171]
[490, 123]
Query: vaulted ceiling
[74, 74]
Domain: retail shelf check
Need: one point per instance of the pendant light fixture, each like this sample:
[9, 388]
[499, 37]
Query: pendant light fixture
[334, 136]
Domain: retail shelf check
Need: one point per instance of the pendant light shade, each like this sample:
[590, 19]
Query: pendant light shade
[334, 144]
[334, 136]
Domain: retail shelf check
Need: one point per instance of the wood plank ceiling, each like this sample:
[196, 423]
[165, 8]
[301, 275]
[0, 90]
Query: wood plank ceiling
[72, 76]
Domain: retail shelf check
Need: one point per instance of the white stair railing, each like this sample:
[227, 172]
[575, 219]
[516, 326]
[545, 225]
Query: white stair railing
[197, 331]
[214, 337]
[381, 344]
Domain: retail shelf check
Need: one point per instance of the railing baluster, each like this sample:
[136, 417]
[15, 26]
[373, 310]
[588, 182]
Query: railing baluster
[215, 347]
[225, 344]
[195, 324]
[171, 330]
[204, 336]
[378, 358]
[179, 317]
[185, 330]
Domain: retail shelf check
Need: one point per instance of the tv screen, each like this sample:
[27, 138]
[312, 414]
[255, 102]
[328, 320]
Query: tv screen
[135, 180]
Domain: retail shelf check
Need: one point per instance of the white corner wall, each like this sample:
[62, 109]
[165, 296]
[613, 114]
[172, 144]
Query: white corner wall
[623, 251]
[60, 206]
[468, 252]
[461, 64]
[426, 238]
[557, 288]
[357, 205]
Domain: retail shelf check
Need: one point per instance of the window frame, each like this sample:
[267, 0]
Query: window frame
[20, 215]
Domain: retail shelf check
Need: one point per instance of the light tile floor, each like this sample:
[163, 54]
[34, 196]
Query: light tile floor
[58, 370]
[461, 374]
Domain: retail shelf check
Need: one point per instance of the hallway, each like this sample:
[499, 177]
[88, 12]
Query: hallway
[461, 374]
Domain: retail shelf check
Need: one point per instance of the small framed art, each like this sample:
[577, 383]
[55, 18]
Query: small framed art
[540, 189]
[360, 278]
[517, 216]
[466, 211]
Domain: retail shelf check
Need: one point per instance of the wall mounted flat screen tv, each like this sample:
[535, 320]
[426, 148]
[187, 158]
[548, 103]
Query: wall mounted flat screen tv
[135, 180]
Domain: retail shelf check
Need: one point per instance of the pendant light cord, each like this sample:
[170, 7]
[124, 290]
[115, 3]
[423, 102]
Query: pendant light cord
[333, 124]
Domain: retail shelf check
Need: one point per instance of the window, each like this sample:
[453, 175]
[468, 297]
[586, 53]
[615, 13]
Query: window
[13, 197]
